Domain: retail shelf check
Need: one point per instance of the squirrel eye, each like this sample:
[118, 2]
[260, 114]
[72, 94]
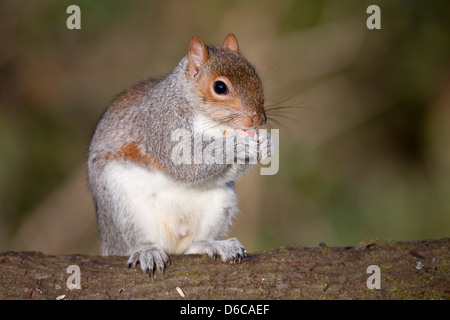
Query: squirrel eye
[220, 87]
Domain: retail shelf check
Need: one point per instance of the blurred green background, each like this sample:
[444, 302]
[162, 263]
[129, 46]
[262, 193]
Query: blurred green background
[364, 146]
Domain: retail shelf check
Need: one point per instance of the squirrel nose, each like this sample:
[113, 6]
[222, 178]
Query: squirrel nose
[253, 121]
[258, 120]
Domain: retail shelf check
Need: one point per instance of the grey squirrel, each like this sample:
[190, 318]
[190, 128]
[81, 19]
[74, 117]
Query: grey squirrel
[148, 205]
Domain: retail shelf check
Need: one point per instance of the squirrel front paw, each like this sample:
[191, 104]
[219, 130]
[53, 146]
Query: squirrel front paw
[253, 146]
[265, 145]
[149, 257]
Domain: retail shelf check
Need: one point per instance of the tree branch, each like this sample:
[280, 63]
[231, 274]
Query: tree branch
[408, 270]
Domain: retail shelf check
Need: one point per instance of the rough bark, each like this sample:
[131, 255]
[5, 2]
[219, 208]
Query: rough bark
[409, 270]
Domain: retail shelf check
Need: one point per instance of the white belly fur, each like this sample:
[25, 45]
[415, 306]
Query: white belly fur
[166, 212]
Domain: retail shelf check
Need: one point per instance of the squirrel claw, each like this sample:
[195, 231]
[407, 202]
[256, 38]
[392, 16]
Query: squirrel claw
[149, 257]
[228, 250]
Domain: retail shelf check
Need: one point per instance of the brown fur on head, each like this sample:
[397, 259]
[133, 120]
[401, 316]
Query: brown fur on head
[241, 104]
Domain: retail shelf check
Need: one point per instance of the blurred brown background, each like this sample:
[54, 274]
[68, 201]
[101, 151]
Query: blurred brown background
[364, 150]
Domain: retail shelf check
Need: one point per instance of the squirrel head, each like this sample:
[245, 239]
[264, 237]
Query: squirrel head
[229, 89]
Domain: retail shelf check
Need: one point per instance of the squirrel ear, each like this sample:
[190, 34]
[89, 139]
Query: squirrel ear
[231, 43]
[197, 55]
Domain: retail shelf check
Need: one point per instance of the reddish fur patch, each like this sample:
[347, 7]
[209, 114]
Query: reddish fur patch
[131, 152]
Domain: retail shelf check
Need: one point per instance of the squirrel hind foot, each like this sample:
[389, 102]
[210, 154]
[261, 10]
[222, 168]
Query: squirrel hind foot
[149, 257]
[229, 250]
